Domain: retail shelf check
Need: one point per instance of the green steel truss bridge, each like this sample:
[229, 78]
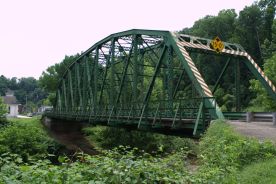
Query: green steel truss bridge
[147, 80]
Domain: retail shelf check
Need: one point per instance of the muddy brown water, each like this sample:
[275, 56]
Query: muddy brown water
[70, 135]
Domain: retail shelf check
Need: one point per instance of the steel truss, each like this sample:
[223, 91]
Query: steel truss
[137, 78]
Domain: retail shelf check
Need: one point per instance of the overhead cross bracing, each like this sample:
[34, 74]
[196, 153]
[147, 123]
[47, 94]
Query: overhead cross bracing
[145, 80]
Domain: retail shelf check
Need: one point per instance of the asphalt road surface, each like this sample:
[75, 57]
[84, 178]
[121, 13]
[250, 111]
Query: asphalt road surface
[259, 130]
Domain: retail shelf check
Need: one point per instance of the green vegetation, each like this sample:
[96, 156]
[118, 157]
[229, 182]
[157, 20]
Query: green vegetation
[33, 93]
[263, 101]
[223, 152]
[259, 173]
[109, 138]
[26, 138]
[111, 167]
[222, 156]
[255, 29]
[26, 91]
[3, 111]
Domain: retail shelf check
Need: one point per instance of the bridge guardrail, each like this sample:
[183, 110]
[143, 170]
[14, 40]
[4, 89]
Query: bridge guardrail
[252, 116]
[261, 116]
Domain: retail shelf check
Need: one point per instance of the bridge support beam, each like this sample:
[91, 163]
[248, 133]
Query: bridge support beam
[64, 94]
[78, 84]
[147, 96]
[237, 85]
[221, 75]
[95, 81]
[71, 89]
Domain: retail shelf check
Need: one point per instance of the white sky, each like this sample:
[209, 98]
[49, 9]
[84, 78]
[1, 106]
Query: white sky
[35, 34]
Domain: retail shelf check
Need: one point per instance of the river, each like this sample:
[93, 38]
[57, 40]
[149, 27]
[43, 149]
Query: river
[70, 135]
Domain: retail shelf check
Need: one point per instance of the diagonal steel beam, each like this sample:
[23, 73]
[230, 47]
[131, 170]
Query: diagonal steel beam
[221, 75]
[124, 76]
[71, 88]
[147, 96]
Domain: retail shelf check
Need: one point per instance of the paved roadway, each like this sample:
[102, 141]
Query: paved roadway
[260, 130]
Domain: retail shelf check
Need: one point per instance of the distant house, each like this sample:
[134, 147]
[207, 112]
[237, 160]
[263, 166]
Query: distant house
[12, 103]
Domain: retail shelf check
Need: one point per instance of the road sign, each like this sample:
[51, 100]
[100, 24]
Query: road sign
[217, 44]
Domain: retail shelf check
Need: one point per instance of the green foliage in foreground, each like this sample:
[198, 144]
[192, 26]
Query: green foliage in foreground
[3, 111]
[109, 138]
[116, 166]
[25, 137]
[259, 173]
[224, 157]
[224, 152]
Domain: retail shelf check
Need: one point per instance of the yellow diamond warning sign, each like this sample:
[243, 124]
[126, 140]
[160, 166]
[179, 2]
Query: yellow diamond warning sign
[217, 44]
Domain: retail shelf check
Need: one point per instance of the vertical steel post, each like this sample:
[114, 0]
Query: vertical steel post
[88, 81]
[135, 67]
[112, 91]
[64, 94]
[170, 78]
[84, 85]
[237, 85]
[142, 73]
[79, 87]
[59, 100]
[95, 77]
[71, 88]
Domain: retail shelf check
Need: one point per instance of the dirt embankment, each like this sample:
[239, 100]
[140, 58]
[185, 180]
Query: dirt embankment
[70, 135]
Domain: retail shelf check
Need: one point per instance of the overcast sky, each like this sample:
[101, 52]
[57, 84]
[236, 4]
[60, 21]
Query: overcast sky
[35, 34]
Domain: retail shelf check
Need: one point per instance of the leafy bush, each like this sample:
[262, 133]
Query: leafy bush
[108, 138]
[25, 138]
[3, 111]
[111, 167]
[223, 155]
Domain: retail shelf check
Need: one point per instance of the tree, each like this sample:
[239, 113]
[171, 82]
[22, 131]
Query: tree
[249, 31]
[222, 25]
[3, 85]
[26, 88]
[269, 47]
[268, 8]
[50, 78]
[3, 110]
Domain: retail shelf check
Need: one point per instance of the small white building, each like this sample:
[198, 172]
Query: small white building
[12, 104]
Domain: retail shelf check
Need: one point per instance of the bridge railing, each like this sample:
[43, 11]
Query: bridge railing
[176, 109]
[178, 114]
